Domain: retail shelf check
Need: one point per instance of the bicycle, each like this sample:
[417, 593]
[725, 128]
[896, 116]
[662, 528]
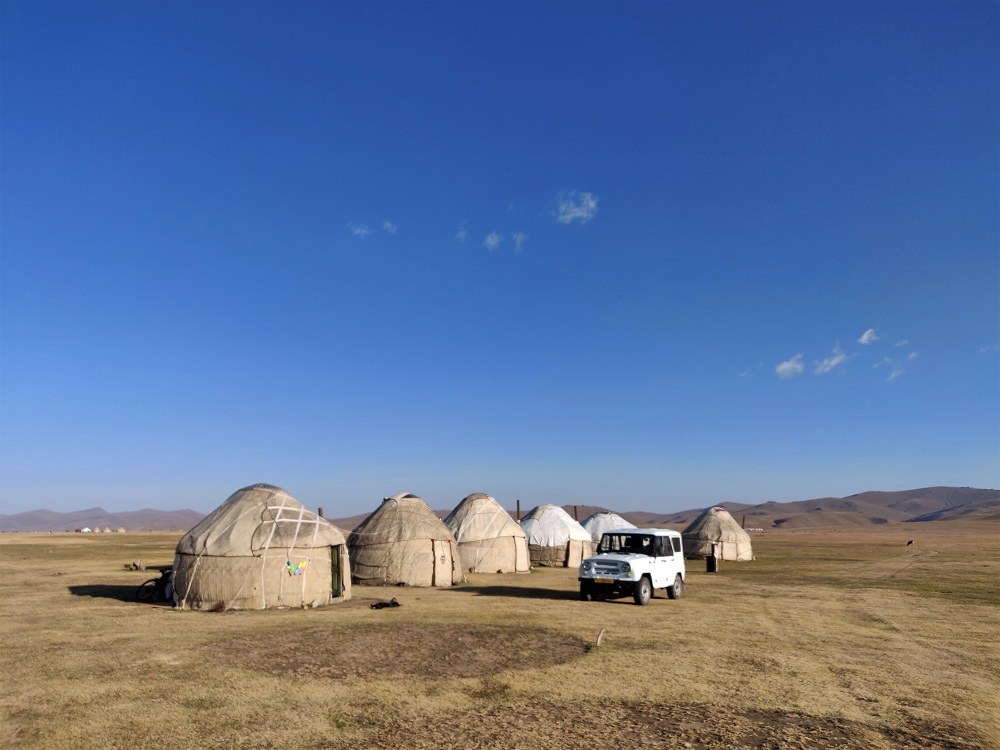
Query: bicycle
[154, 591]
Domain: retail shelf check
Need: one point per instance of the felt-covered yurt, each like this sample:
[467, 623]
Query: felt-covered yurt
[261, 548]
[554, 538]
[403, 542]
[489, 540]
[715, 526]
[604, 520]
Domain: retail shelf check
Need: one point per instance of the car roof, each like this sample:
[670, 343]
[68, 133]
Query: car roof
[654, 532]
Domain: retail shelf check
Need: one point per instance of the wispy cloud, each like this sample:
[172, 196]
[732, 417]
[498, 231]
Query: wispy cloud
[868, 337]
[461, 234]
[834, 360]
[492, 241]
[902, 342]
[575, 206]
[893, 375]
[359, 230]
[790, 367]
[913, 355]
[519, 240]
[989, 348]
[884, 362]
[388, 227]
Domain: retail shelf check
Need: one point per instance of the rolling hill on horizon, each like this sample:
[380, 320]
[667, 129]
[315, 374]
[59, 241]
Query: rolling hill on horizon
[861, 509]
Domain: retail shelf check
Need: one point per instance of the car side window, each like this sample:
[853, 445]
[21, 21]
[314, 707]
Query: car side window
[663, 547]
[677, 543]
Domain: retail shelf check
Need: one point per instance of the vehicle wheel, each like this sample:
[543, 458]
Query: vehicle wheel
[675, 591]
[643, 591]
[586, 593]
[146, 593]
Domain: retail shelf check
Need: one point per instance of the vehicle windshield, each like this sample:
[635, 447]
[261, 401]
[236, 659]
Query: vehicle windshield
[640, 544]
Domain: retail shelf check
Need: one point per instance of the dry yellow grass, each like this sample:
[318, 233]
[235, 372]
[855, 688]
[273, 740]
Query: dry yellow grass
[828, 639]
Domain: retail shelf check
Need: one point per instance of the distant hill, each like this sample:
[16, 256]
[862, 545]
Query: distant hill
[862, 509]
[147, 519]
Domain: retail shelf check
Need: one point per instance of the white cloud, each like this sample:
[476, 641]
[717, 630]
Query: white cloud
[902, 342]
[359, 230]
[884, 362]
[834, 360]
[989, 348]
[893, 375]
[913, 355]
[868, 337]
[461, 234]
[519, 239]
[790, 367]
[576, 206]
[388, 227]
[492, 241]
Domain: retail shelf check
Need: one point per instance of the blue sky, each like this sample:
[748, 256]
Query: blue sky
[641, 255]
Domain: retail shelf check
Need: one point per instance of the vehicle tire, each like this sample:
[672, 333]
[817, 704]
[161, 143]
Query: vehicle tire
[643, 591]
[677, 590]
[147, 593]
[586, 592]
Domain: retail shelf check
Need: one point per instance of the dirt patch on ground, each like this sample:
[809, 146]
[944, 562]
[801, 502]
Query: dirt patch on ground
[423, 651]
[644, 726]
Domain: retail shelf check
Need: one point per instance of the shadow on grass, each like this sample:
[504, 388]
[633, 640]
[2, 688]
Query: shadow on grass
[119, 592]
[517, 592]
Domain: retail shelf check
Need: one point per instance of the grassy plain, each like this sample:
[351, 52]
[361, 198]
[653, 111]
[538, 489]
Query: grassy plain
[830, 639]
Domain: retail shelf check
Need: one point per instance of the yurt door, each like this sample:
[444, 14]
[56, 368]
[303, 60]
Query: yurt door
[336, 582]
[442, 564]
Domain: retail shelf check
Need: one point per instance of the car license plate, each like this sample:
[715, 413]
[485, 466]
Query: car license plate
[604, 580]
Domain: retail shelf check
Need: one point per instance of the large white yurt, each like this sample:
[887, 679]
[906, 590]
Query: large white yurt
[715, 526]
[403, 542]
[554, 538]
[489, 540]
[604, 520]
[261, 548]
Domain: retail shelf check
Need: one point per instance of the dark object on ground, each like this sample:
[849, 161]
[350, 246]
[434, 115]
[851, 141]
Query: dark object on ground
[156, 590]
[382, 605]
[909, 543]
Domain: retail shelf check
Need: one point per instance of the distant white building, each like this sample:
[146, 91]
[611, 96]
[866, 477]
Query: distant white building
[85, 530]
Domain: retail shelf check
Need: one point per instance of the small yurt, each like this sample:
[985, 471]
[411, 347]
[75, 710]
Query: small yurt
[604, 520]
[489, 540]
[260, 549]
[403, 542]
[717, 526]
[554, 538]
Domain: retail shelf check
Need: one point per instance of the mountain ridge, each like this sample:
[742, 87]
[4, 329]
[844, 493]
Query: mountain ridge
[860, 509]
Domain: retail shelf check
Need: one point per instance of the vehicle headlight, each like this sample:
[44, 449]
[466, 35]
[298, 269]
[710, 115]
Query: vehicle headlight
[585, 568]
[626, 568]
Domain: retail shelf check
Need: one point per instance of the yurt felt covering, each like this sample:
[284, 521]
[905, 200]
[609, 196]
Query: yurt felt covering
[403, 542]
[717, 526]
[261, 548]
[489, 540]
[604, 520]
[555, 539]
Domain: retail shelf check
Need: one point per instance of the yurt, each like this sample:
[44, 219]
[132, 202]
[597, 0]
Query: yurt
[404, 543]
[554, 538]
[489, 540]
[260, 549]
[716, 526]
[604, 520]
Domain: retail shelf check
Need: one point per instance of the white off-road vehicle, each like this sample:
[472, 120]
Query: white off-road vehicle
[634, 562]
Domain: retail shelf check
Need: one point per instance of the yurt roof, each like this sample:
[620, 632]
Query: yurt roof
[604, 520]
[550, 526]
[257, 518]
[479, 516]
[399, 518]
